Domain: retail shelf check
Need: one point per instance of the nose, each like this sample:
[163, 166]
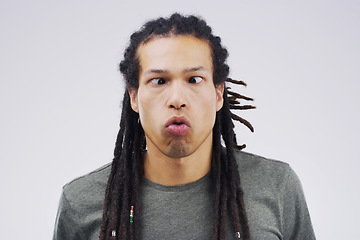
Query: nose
[177, 96]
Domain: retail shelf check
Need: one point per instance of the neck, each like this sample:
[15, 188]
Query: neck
[169, 171]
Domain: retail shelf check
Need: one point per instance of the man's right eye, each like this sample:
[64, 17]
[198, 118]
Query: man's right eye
[157, 81]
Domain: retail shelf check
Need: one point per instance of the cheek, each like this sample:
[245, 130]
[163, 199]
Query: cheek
[208, 106]
[147, 108]
[212, 100]
[143, 112]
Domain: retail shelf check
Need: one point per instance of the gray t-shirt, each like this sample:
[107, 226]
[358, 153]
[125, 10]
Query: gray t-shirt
[274, 202]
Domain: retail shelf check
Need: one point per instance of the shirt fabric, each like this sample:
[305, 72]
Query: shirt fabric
[273, 196]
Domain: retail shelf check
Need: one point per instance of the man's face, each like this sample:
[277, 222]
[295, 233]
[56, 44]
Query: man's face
[176, 99]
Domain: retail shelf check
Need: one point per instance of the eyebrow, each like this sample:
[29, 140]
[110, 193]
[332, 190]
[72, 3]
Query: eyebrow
[186, 70]
[155, 71]
[195, 69]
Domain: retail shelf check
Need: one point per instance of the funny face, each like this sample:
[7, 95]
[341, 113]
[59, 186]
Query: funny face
[176, 99]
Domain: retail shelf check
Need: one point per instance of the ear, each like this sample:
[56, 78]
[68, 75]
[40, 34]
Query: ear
[219, 96]
[133, 99]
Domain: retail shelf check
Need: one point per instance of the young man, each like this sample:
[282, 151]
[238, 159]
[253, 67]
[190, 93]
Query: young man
[176, 173]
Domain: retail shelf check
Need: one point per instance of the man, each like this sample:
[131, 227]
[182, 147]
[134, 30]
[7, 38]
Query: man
[176, 173]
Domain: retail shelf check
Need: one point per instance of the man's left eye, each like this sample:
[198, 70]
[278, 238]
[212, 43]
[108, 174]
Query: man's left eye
[195, 80]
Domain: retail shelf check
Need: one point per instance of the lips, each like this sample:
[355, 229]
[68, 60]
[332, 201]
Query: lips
[177, 125]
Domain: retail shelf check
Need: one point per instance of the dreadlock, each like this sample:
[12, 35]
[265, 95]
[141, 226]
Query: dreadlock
[122, 191]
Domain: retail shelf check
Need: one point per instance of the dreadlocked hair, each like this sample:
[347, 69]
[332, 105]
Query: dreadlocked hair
[122, 191]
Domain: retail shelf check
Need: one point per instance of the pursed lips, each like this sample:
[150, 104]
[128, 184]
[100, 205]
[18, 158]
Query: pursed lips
[177, 125]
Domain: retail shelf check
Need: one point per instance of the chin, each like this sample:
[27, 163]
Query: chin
[178, 151]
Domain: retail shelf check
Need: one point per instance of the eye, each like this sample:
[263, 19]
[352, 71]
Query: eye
[157, 81]
[195, 80]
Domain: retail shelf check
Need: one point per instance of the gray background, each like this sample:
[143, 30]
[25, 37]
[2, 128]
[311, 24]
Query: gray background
[61, 90]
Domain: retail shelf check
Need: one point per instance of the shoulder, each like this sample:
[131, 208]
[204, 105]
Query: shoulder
[87, 187]
[274, 198]
[252, 162]
[264, 173]
[80, 208]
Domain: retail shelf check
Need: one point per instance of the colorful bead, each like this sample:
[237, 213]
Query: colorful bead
[132, 214]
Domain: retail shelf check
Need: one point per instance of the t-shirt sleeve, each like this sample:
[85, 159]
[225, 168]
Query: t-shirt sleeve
[66, 226]
[296, 222]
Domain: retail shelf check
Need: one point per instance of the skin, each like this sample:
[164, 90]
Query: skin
[175, 82]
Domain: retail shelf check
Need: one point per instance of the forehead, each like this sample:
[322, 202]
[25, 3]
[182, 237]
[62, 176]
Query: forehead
[170, 52]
